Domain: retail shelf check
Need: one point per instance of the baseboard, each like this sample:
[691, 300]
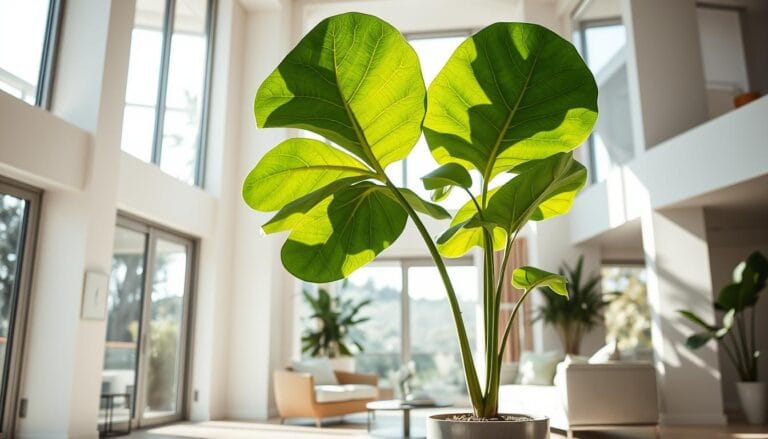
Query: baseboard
[693, 419]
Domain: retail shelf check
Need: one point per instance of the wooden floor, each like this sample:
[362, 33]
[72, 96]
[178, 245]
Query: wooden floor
[388, 426]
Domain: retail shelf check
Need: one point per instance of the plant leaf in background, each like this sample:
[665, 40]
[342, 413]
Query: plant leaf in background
[510, 93]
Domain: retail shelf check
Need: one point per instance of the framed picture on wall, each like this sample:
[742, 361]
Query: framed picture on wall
[95, 289]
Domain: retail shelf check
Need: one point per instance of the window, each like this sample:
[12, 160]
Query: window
[166, 97]
[627, 316]
[603, 45]
[407, 318]
[27, 39]
[147, 305]
[433, 52]
[19, 208]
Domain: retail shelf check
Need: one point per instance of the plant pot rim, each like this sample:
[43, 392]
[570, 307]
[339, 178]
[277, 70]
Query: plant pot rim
[443, 417]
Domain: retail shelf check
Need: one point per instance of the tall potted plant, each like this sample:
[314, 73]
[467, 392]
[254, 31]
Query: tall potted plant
[333, 337]
[577, 314]
[736, 333]
[513, 100]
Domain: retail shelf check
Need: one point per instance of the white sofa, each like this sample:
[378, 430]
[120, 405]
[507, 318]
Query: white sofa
[590, 397]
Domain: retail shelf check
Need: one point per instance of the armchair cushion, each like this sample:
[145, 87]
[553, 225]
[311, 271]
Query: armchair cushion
[344, 392]
[319, 368]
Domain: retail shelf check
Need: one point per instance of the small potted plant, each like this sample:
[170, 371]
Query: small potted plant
[737, 301]
[333, 335]
[507, 110]
[576, 315]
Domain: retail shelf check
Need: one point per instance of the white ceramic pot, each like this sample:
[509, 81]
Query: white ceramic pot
[443, 427]
[754, 401]
[343, 364]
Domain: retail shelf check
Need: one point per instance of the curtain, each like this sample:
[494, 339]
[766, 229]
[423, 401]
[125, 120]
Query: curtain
[520, 337]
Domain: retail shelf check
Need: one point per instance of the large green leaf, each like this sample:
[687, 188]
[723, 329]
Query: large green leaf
[449, 174]
[353, 79]
[528, 278]
[293, 212]
[342, 233]
[295, 168]
[544, 189]
[512, 92]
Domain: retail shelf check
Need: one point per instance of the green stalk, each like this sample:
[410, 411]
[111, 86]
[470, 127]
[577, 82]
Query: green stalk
[491, 336]
[752, 347]
[470, 372]
[742, 330]
[734, 360]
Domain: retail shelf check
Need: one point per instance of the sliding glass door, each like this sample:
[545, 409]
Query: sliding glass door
[149, 294]
[18, 221]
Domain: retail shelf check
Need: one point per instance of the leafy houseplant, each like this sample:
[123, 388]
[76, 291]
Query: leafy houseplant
[577, 314]
[337, 317]
[737, 300]
[514, 98]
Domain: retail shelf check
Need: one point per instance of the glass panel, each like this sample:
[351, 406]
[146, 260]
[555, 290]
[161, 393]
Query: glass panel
[22, 35]
[612, 141]
[434, 348]
[143, 79]
[165, 324]
[184, 98]
[433, 54]
[382, 284]
[12, 223]
[124, 305]
[628, 316]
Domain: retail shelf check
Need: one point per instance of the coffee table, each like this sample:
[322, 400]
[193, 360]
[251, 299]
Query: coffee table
[399, 405]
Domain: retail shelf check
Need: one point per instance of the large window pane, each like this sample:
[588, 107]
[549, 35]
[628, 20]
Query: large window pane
[12, 224]
[184, 96]
[124, 305]
[434, 348]
[22, 37]
[628, 316]
[433, 54]
[381, 284]
[166, 315]
[143, 79]
[611, 143]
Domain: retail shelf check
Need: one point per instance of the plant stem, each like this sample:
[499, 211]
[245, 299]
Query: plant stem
[734, 360]
[752, 347]
[470, 372]
[742, 330]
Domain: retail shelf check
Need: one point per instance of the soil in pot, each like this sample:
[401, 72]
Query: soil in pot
[506, 426]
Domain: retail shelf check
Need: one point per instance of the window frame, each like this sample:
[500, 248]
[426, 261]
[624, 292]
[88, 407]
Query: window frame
[162, 89]
[11, 404]
[582, 27]
[48, 56]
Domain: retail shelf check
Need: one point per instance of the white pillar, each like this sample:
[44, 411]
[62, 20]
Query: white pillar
[666, 76]
[679, 277]
[64, 353]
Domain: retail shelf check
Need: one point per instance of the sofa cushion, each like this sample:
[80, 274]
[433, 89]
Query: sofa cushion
[508, 373]
[320, 368]
[345, 392]
[537, 368]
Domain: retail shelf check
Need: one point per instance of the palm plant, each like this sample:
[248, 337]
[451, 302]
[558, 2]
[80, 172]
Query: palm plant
[513, 100]
[337, 318]
[580, 312]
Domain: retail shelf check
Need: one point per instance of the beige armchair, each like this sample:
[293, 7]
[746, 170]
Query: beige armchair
[297, 396]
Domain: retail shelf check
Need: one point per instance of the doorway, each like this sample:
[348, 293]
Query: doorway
[144, 374]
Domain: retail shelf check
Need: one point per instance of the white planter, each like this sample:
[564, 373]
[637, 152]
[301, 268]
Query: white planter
[754, 396]
[343, 364]
[443, 427]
